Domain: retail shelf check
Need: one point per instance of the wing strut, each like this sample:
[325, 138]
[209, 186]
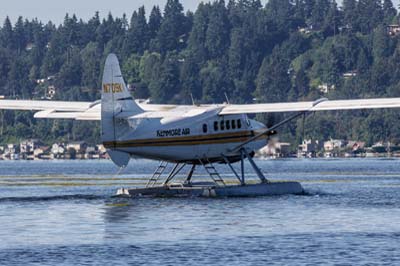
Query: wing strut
[270, 129]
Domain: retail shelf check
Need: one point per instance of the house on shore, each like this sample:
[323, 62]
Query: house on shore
[309, 148]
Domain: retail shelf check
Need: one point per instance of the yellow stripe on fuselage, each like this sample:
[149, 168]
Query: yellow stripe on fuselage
[221, 138]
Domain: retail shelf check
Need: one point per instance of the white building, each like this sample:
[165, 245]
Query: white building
[11, 152]
[78, 146]
[309, 148]
[393, 30]
[39, 152]
[58, 150]
[350, 74]
[28, 146]
[334, 144]
[275, 149]
[325, 88]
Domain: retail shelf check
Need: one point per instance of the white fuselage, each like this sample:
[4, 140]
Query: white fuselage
[206, 136]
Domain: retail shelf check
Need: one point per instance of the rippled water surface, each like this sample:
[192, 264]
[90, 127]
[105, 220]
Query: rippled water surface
[63, 213]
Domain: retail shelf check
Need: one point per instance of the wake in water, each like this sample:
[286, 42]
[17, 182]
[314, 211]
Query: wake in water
[52, 198]
[316, 193]
[115, 198]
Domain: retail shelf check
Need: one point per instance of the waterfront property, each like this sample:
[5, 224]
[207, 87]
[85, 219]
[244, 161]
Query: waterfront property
[34, 149]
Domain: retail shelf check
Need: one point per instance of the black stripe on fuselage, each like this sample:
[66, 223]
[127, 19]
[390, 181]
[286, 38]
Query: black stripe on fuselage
[170, 142]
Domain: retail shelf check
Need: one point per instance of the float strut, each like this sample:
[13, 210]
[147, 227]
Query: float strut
[190, 174]
[233, 169]
[255, 167]
[242, 156]
[177, 168]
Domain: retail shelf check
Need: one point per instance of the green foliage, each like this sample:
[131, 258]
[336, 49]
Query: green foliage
[285, 51]
[137, 36]
[214, 82]
[217, 34]
[172, 27]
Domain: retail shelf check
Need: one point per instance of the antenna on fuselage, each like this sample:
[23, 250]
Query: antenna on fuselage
[191, 96]
[227, 99]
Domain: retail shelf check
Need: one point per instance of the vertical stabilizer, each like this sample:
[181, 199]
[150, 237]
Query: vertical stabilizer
[116, 102]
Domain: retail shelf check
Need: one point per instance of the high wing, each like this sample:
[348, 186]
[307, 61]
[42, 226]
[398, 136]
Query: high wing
[92, 110]
[320, 105]
[70, 110]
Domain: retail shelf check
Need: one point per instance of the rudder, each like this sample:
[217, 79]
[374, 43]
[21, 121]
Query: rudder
[116, 101]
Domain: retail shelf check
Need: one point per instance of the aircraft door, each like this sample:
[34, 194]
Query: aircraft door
[204, 148]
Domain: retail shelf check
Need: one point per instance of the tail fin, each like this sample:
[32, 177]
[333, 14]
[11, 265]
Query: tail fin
[116, 101]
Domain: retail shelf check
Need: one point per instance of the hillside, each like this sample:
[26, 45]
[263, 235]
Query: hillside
[288, 50]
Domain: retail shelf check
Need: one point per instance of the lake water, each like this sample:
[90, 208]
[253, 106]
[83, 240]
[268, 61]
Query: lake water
[63, 213]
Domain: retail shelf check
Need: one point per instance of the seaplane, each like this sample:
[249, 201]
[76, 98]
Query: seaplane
[186, 135]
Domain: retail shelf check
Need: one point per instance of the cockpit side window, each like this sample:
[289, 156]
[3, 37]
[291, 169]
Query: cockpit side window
[239, 123]
[233, 124]
[205, 129]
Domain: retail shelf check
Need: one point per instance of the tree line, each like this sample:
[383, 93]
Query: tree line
[287, 50]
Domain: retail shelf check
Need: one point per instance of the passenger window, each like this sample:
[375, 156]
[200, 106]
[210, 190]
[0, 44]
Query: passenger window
[233, 124]
[228, 124]
[239, 123]
[215, 125]
[204, 128]
[222, 125]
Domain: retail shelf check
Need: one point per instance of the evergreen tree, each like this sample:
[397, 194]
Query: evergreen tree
[389, 12]
[370, 14]
[214, 82]
[55, 56]
[273, 81]
[350, 16]
[91, 70]
[217, 35]
[333, 67]
[301, 85]
[362, 62]
[107, 30]
[237, 52]
[150, 68]
[171, 29]
[137, 38]
[332, 20]
[319, 13]
[71, 71]
[7, 34]
[281, 12]
[93, 24]
[381, 43]
[155, 20]
[19, 84]
[20, 35]
[190, 82]
[197, 36]
[5, 65]
[70, 30]
[165, 87]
